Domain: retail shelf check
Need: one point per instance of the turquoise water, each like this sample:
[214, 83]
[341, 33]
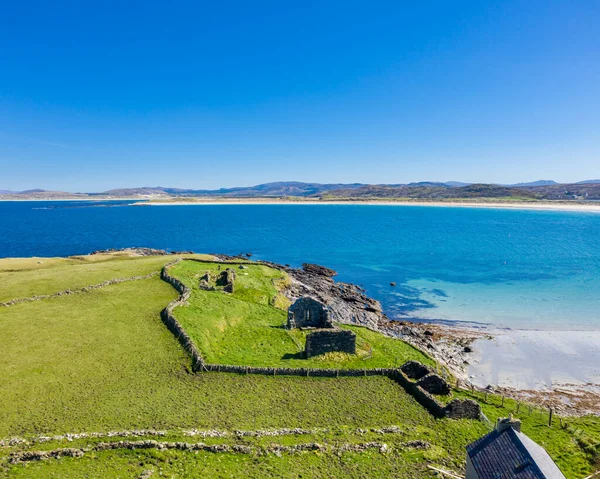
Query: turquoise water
[509, 268]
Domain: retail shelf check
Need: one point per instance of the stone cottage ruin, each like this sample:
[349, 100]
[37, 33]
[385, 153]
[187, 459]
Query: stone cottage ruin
[307, 312]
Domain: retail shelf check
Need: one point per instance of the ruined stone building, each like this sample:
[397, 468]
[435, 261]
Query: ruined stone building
[307, 312]
[330, 340]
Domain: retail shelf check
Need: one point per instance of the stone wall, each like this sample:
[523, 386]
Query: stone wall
[415, 369]
[434, 384]
[171, 322]
[463, 409]
[327, 341]
[423, 397]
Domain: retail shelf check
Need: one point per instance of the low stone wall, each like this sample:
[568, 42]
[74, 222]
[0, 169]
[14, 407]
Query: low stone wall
[324, 341]
[423, 397]
[463, 409]
[73, 452]
[306, 372]
[85, 289]
[171, 322]
[415, 369]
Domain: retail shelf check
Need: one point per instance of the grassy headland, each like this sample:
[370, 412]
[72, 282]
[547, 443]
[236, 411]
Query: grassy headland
[248, 327]
[102, 360]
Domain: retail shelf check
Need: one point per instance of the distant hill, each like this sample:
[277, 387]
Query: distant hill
[38, 194]
[277, 189]
[588, 182]
[456, 184]
[430, 190]
[536, 183]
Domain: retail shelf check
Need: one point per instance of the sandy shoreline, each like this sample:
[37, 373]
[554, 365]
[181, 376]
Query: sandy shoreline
[592, 207]
[562, 206]
[556, 368]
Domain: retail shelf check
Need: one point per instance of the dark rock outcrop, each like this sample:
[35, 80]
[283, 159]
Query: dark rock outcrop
[318, 269]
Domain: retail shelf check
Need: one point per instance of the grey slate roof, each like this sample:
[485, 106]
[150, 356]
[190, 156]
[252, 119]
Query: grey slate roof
[511, 455]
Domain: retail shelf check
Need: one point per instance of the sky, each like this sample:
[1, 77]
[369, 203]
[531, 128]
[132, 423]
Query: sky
[101, 95]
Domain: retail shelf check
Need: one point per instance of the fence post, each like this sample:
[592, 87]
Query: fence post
[550, 417]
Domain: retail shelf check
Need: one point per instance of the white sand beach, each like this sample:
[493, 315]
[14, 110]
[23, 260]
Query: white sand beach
[548, 205]
[537, 359]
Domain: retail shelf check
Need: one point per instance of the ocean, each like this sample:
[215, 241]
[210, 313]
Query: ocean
[517, 269]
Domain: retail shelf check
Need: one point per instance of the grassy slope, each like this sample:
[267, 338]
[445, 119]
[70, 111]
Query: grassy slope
[245, 329]
[24, 279]
[103, 360]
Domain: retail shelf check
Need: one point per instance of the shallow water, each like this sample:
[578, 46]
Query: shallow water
[519, 269]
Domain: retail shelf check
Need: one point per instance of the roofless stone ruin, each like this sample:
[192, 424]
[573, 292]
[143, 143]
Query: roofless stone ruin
[307, 312]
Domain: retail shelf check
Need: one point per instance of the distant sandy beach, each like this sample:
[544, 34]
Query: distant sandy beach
[558, 206]
[592, 207]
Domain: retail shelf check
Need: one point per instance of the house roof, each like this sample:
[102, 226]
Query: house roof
[511, 455]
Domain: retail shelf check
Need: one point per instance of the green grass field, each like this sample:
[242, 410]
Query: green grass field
[246, 328]
[102, 361]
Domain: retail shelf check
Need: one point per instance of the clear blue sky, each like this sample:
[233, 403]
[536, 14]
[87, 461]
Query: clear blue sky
[98, 95]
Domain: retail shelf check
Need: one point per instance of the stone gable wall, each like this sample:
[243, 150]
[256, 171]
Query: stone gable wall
[327, 341]
[308, 312]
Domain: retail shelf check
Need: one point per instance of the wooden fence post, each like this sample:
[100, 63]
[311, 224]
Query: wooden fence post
[550, 417]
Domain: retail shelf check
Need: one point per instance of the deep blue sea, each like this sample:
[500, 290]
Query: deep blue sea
[520, 269]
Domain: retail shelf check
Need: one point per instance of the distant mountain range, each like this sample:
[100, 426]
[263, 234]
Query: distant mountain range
[541, 189]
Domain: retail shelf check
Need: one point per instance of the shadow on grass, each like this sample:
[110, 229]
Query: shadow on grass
[298, 355]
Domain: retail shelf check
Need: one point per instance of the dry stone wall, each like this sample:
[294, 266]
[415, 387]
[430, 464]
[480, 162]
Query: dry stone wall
[326, 341]
[171, 322]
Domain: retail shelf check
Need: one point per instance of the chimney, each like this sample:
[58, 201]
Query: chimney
[504, 423]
